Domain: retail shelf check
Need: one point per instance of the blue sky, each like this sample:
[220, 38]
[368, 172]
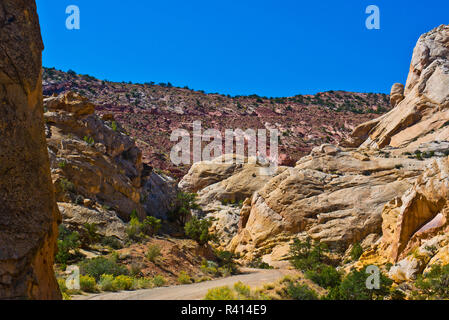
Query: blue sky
[267, 47]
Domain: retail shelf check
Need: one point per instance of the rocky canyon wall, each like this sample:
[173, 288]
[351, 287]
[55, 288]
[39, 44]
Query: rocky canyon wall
[28, 211]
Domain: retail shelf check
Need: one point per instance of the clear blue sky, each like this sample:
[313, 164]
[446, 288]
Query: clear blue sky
[267, 47]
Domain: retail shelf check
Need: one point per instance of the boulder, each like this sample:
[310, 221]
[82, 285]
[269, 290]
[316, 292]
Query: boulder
[396, 94]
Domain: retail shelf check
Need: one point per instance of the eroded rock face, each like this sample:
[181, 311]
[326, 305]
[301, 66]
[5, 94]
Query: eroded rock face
[97, 169]
[421, 116]
[397, 94]
[336, 198]
[28, 214]
[222, 187]
[341, 196]
[419, 215]
[90, 159]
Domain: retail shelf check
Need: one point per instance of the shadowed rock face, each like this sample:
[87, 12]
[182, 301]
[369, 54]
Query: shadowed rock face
[28, 211]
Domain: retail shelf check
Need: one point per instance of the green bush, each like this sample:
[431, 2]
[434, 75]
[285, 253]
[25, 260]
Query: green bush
[88, 284]
[98, 266]
[111, 242]
[153, 252]
[107, 283]
[434, 284]
[144, 283]
[67, 242]
[89, 140]
[90, 232]
[159, 281]
[184, 278]
[137, 230]
[198, 230]
[134, 229]
[353, 287]
[183, 205]
[356, 251]
[307, 255]
[221, 293]
[123, 282]
[324, 275]
[301, 292]
[242, 289]
[226, 260]
[151, 226]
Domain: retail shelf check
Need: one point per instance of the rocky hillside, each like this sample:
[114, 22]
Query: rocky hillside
[384, 188]
[150, 112]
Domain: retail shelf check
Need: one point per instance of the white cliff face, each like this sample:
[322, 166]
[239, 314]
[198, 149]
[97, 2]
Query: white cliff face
[338, 195]
[421, 115]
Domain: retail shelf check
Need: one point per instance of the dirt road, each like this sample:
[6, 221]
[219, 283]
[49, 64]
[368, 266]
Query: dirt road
[252, 277]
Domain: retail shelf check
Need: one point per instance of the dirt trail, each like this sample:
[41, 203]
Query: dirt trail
[252, 277]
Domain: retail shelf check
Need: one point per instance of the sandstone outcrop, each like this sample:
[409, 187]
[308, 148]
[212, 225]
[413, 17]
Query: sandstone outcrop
[389, 179]
[223, 185]
[336, 198]
[396, 94]
[422, 115]
[97, 169]
[29, 216]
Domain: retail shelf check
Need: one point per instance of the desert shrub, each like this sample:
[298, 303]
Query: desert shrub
[153, 252]
[209, 267]
[356, 251]
[67, 241]
[434, 284]
[259, 264]
[88, 283]
[300, 292]
[134, 228]
[65, 292]
[98, 266]
[221, 293]
[306, 255]
[89, 140]
[123, 282]
[184, 278]
[198, 230]
[144, 283]
[324, 275]
[151, 226]
[107, 283]
[353, 287]
[114, 126]
[226, 260]
[183, 205]
[90, 233]
[66, 185]
[159, 281]
[111, 242]
[242, 289]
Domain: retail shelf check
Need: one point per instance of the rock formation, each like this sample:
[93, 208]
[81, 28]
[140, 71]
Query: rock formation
[388, 179]
[97, 169]
[28, 214]
[222, 186]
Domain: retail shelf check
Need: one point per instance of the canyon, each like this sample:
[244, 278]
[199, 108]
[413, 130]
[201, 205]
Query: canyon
[355, 168]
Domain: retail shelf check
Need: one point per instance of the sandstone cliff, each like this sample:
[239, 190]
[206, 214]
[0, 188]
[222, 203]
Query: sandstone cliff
[28, 214]
[386, 180]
